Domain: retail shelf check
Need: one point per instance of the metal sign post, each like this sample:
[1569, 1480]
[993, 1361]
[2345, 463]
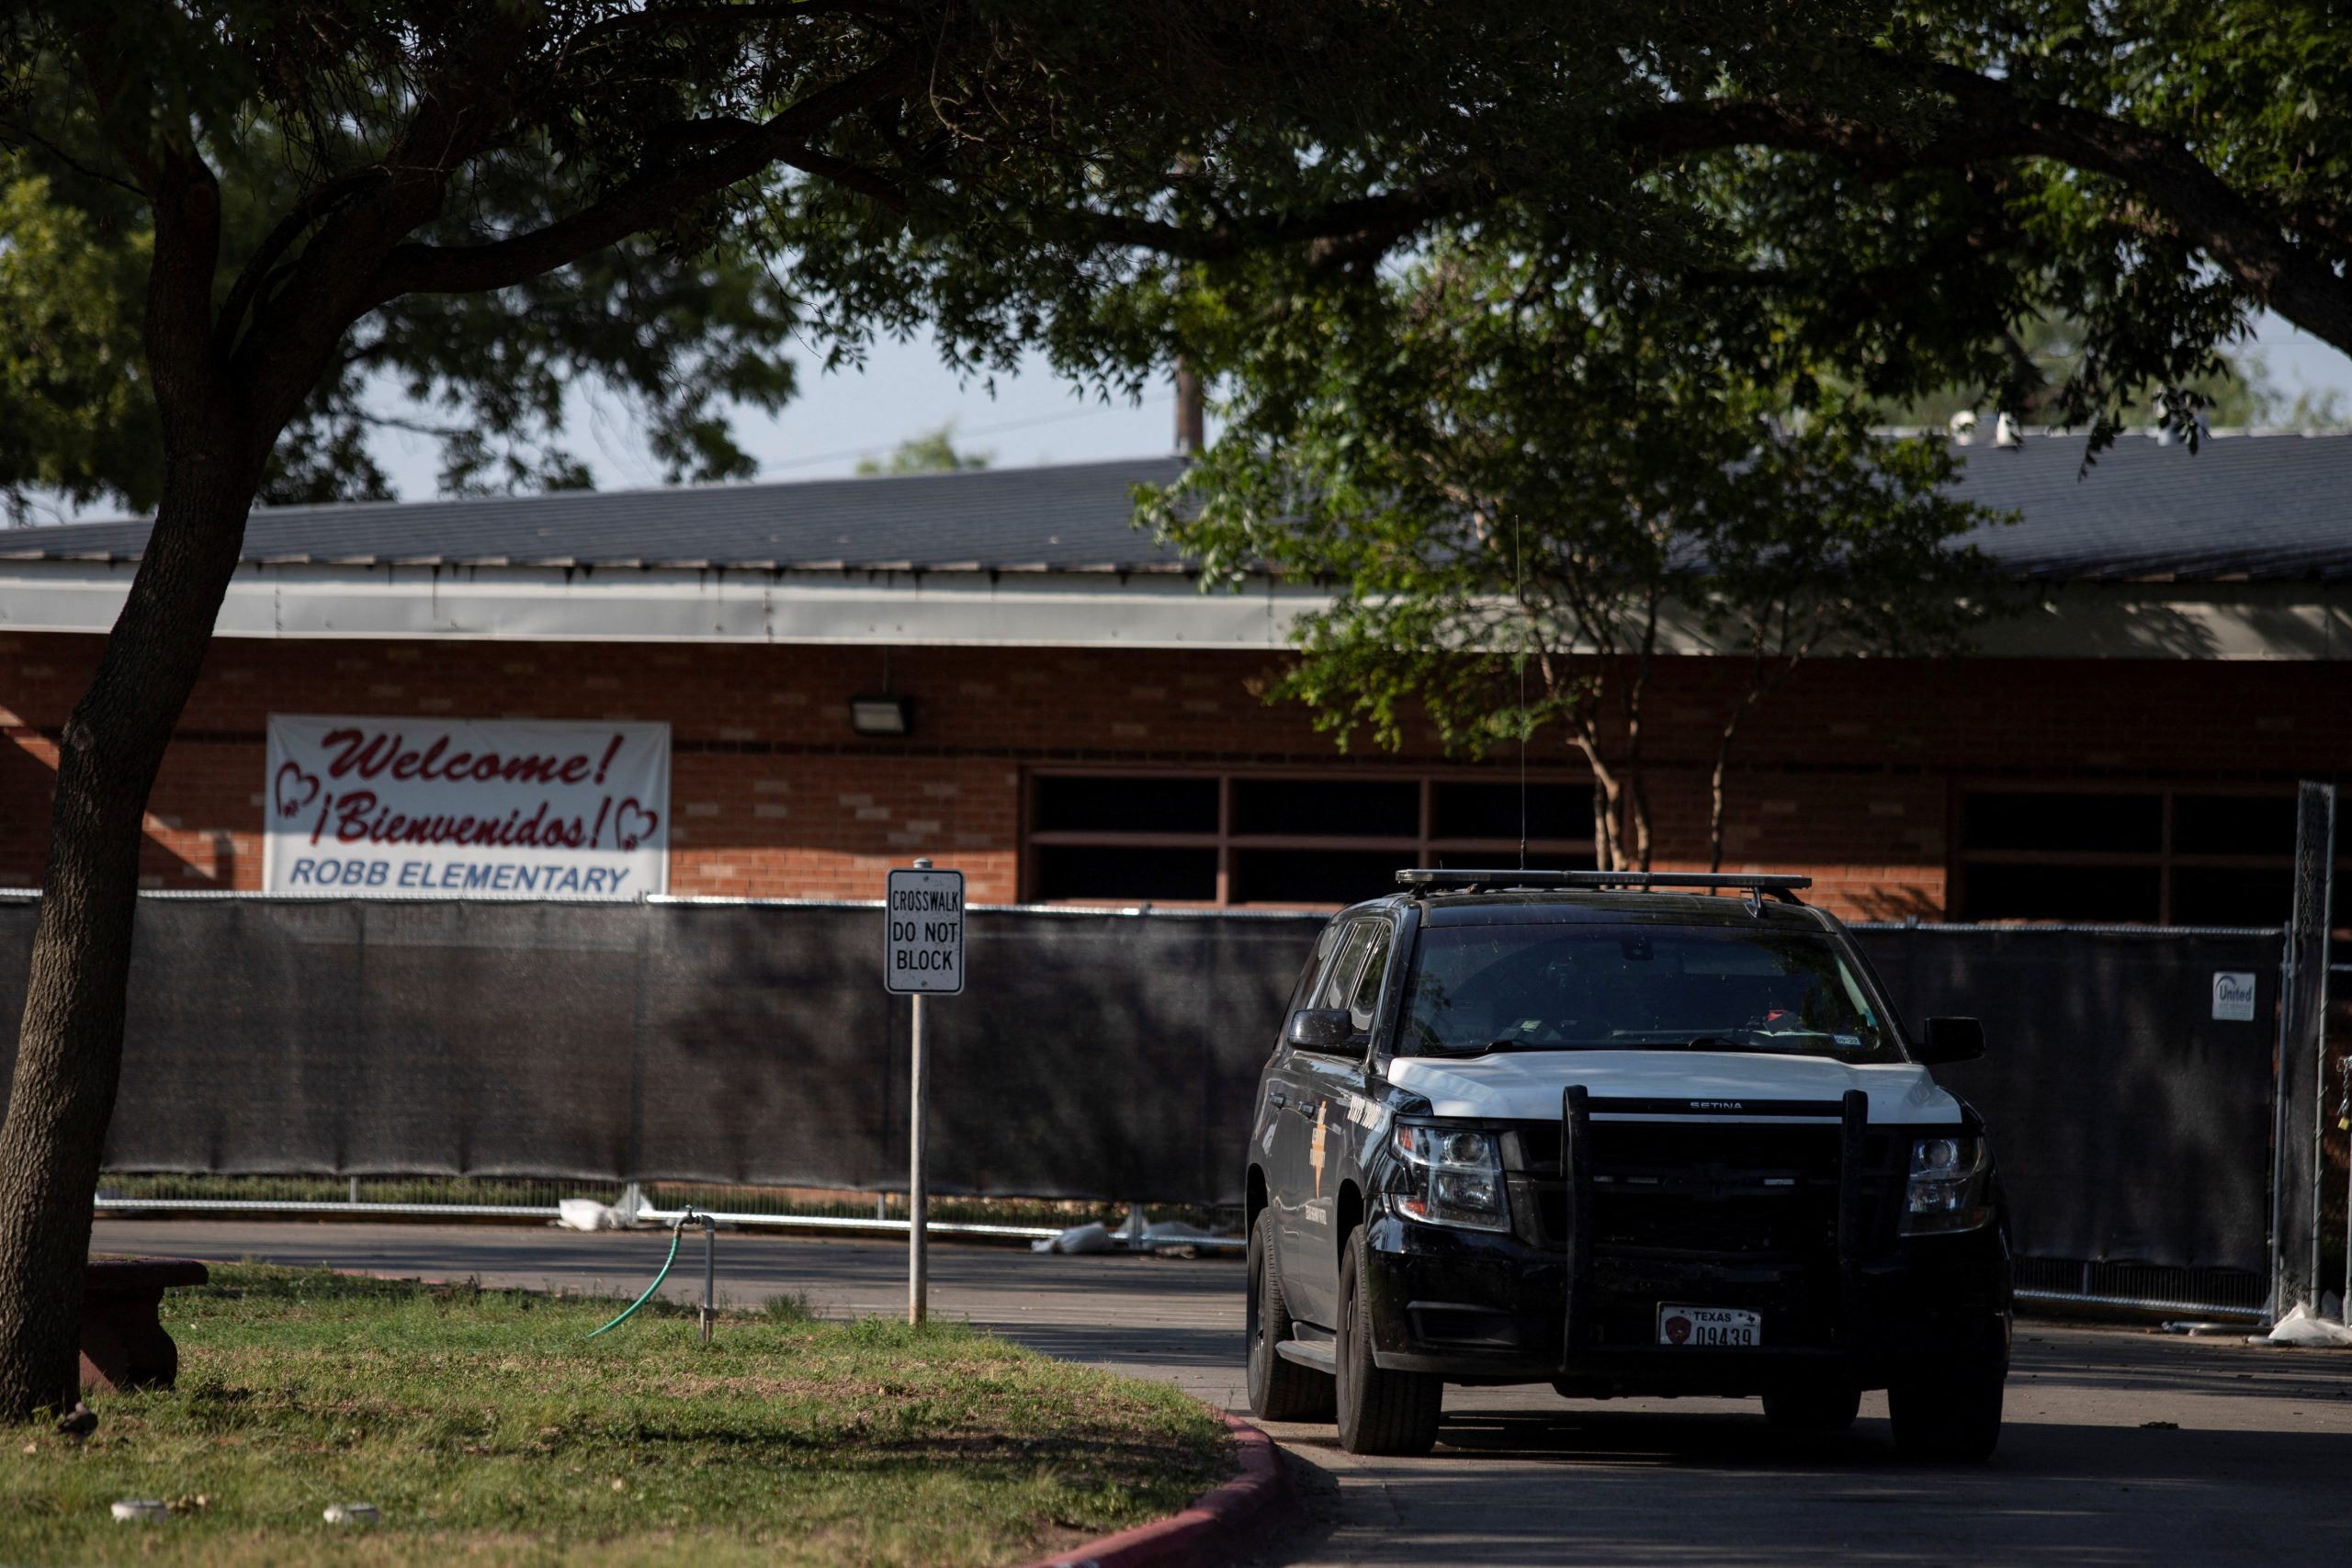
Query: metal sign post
[918, 1190]
[2302, 1086]
[922, 955]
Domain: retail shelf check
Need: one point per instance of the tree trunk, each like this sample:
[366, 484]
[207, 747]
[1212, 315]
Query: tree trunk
[1637, 789]
[69, 1049]
[1637, 798]
[1605, 821]
[1607, 801]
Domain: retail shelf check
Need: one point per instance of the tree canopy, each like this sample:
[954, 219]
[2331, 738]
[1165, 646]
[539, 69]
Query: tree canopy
[1522, 490]
[682, 340]
[470, 208]
[929, 452]
[1884, 197]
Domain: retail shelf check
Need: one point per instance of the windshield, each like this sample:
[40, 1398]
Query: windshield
[1563, 987]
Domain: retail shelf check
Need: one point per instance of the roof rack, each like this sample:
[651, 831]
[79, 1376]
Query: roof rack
[1431, 879]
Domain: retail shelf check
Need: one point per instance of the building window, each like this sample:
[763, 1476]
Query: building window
[2145, 857]
[1282, 839]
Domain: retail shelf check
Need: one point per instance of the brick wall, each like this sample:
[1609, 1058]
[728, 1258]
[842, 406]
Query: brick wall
[1849, 772]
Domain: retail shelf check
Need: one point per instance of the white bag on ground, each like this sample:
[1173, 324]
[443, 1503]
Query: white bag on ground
[587, 1215]
[1082, 1238]
[2302, 1329]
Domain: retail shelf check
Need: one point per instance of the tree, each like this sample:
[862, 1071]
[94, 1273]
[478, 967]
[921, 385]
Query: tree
[1841, 540]
[932, 451]
[678, 337]
[73, 408]
[2156, 171]
[1503, 473]
[1881, 201]
[2241, 395]
[295, 183]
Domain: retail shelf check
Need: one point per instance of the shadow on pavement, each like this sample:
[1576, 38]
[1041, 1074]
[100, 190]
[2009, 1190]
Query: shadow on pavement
[1727, 1490]
[2250, 1473]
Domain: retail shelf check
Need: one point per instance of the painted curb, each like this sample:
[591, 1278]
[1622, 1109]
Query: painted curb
[1213, 1525]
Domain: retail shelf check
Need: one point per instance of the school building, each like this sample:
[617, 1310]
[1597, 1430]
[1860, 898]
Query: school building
[806, 683]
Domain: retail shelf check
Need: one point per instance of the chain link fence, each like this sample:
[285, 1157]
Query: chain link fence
[451, 1059]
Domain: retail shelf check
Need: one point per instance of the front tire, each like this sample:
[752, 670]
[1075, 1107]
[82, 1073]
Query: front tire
[1278, 1389]
[1381, 1412]
[1950, 1413]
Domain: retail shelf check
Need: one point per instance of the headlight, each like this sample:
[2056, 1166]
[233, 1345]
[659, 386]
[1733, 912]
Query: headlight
[1947, 1186]
[1452, 1178]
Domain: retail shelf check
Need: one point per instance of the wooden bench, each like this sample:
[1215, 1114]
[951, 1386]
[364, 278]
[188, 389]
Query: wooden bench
[124, 1344]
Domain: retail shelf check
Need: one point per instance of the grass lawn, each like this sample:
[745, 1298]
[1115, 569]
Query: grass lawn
[488, 1431]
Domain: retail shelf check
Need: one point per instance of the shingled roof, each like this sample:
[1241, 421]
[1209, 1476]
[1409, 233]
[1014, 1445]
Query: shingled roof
[2242, 507]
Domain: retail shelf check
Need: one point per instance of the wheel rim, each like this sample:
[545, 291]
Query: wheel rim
[1343, 1378]
[1255, 1307]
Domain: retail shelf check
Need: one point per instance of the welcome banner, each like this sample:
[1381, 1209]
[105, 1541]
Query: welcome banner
[388, 807]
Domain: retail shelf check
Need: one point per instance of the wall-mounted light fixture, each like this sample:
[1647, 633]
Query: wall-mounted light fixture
[882, 715]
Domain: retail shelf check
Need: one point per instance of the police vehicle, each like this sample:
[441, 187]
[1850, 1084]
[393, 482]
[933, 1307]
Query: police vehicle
[1626, 1134]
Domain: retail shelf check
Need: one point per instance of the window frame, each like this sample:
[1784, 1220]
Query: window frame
[1423, 847]
[2163, 858]
[1340, 981]
[1379, 953]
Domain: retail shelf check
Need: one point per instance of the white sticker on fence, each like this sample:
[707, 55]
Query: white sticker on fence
[2232, 996]
[466, 808]
[925, 949]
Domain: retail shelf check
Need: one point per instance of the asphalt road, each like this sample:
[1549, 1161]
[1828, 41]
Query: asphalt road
[2120, 1447]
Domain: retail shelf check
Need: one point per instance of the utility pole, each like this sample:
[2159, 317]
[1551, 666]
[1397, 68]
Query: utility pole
[1191, 425]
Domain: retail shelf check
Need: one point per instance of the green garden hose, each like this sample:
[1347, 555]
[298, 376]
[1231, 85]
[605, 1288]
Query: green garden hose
[677, 1233]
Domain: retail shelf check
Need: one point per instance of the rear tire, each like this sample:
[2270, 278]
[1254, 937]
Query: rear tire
[1381, 1412]
[1814, 1411]
[1952, 1413]
[1278, 1389]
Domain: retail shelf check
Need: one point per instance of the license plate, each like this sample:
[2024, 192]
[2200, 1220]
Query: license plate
[1711, 1327]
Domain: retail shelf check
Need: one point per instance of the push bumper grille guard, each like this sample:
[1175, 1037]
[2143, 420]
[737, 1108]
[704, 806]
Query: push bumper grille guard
[1576, 1172]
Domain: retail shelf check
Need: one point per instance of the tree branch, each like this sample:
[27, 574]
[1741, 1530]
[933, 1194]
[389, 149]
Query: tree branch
[185, 204]
[2242, 240]
[316, 203]
[443, 269]
[1358, 228]
[872, 184]
[1996, 122]
[1711, 125]
[22, 131]
[738, 16]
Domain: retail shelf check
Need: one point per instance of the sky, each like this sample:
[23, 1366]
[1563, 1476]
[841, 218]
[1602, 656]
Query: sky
[1034, 417]
[840, 416]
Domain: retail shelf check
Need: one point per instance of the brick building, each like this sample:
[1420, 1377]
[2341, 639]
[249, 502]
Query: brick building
[1081, 723]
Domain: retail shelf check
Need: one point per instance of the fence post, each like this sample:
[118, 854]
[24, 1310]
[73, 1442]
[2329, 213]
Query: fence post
[2297, 1165]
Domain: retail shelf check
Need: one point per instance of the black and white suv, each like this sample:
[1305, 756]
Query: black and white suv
[1585, 1129]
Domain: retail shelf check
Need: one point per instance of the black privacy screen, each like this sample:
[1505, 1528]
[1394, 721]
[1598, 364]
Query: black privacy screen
[1095, 1055]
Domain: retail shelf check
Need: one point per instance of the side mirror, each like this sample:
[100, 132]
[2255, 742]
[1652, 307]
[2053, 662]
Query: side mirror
[1952, 1040]
[1322, 1029]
